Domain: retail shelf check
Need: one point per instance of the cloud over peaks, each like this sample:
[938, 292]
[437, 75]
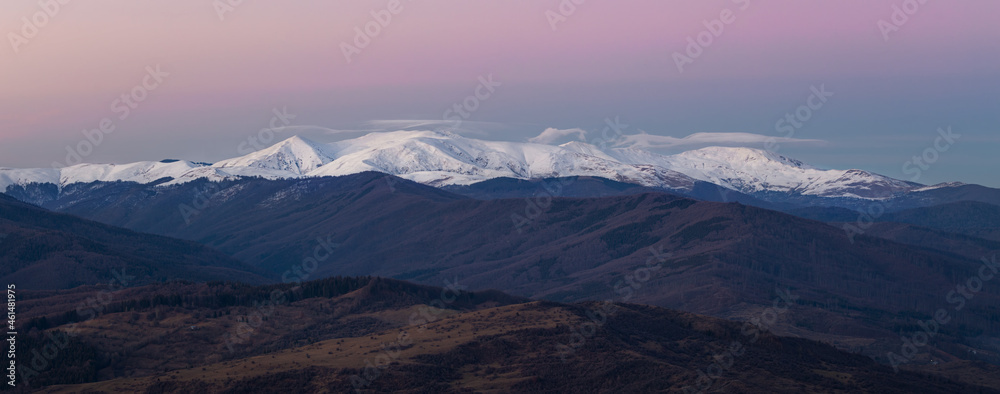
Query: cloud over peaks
[551, 134]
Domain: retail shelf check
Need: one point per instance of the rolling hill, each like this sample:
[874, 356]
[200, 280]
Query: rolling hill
[724, 260]
[40, 249]
[361, 334]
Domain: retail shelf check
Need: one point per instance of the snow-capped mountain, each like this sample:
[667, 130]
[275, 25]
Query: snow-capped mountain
[441, 159]
[753, 171]
[295, 155]
[140, 172]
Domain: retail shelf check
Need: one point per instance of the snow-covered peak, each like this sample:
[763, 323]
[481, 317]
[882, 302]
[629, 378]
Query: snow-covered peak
[140, 172]
[441, 158]
[739, 156]
[586, 149]
[295, 155]
[753, 171]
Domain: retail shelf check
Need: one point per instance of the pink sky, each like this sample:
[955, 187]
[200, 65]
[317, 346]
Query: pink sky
[269, 53]
[95, 49]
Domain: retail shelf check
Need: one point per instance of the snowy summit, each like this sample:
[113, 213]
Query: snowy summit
[441, 159]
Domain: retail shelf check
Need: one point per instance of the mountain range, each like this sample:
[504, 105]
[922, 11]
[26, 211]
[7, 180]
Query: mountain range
[860, 259]
[718, 259]
[40, 250]
[444, 159]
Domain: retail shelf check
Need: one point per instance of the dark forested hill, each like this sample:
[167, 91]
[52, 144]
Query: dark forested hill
[40, 249]
[375, 335]
[727, 260]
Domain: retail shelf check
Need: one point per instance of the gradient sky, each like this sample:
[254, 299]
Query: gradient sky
[607, 59]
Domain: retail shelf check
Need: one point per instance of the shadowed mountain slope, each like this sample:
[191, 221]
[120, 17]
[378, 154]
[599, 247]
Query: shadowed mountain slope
[713, 258]
[40, 249]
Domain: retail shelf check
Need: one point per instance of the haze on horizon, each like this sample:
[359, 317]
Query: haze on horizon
[227, 71]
